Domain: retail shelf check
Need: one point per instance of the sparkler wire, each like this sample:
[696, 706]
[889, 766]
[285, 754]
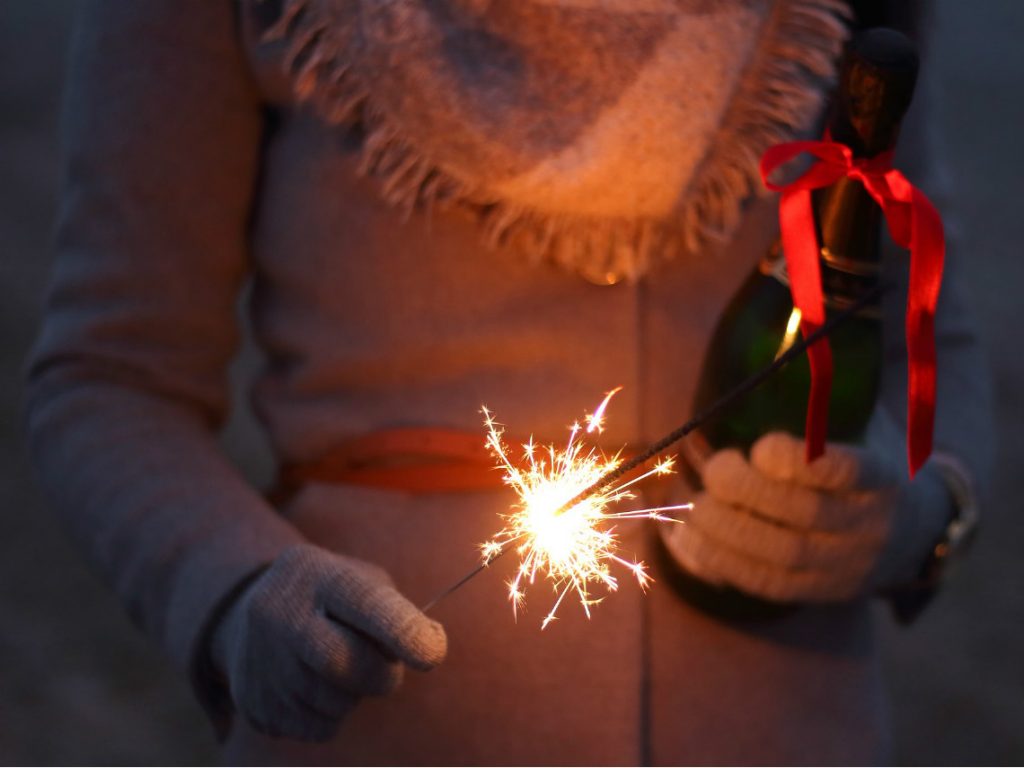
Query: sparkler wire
[741, 389]
[443, 594]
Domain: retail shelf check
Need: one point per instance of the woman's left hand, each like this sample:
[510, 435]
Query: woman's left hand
[780, 528]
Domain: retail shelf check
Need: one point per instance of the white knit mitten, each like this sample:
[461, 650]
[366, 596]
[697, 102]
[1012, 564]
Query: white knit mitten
[314, 633]
[780, 528]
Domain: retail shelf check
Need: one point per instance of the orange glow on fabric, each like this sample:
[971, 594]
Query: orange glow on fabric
[913, 223]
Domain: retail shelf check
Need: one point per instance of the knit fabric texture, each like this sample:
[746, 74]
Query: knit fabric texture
[314, 634]
[605, 136]
[781, 528]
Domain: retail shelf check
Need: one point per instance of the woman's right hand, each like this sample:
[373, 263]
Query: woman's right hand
[311, 635]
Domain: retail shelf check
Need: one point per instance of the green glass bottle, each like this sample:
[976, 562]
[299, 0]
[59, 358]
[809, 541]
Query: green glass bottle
[875, 88]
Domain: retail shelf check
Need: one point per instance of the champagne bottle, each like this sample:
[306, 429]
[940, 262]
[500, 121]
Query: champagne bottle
[760, 322]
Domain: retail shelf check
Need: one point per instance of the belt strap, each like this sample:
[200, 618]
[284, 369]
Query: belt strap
[416, 460]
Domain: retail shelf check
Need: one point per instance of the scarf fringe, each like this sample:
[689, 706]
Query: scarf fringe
[785, 82]
[788, 78]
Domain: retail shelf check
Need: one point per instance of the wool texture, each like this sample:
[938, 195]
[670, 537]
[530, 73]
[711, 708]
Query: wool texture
[781, 528]
[315, 633]
[602, 136]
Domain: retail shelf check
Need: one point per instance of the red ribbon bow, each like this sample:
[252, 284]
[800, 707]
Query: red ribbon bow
[913, 223]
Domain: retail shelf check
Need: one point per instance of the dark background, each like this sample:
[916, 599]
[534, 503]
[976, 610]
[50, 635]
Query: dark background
[79, 685]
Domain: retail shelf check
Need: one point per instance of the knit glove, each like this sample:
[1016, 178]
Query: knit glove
[314, 633]
[780, 528]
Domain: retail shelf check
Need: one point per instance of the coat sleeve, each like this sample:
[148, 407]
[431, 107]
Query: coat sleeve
[964, 413]
[127, 382]
[964, 416]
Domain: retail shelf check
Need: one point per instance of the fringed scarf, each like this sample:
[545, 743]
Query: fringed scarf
[603, 135]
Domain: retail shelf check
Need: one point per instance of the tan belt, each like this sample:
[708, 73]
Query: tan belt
[414, 460]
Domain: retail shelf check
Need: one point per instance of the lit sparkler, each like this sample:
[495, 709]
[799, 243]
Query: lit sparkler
[571, 541]
[550, 480]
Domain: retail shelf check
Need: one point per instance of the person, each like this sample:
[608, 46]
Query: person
[439, 204]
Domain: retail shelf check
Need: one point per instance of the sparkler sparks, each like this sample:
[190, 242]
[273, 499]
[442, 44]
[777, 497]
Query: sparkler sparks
[522, 533]
[570, 541]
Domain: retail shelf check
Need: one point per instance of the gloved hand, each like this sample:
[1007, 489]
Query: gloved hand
[841, 526]
[314, 633]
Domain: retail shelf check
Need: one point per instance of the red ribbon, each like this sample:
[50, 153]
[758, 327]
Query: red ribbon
[913, 223]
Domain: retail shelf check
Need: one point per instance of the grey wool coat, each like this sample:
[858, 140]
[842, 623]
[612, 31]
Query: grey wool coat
[189, 171]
